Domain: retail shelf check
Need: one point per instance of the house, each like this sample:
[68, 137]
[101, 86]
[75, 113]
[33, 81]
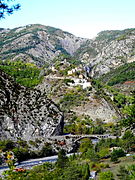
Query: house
[62, 143]
[70, 72]
[53, 69]
[81, 76]
[114, 148]
[81, 82]
[86, 84]
[93, 174]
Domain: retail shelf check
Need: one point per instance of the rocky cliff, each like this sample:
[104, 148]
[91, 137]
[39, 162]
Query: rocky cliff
[98, 109]
[109, 50]
[26, 113]
[37, 43]
[41, 44]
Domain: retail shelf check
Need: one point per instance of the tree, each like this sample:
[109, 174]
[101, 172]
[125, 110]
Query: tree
[103, 152]
[116, 154]
[85, 145]
[129, 121]
[131, 170]
[46, 150]
[87, 172]
[92, 155]
[128, 135]
[62, 159]
[126, 173]
[123, 173]
[73, 172]
[128, 141]
[114, 157]
[7, 8]
[129, 111]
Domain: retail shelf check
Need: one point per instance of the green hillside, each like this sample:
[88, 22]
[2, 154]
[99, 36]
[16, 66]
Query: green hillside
[120, 75]
[26, 74]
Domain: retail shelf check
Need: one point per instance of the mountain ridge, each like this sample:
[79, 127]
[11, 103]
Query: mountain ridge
[40, 44]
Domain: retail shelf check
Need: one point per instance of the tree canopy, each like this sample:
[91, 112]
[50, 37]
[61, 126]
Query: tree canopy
[7, 7]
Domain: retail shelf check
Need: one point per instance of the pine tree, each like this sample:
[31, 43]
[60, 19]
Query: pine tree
[62, 159]
[87, 172]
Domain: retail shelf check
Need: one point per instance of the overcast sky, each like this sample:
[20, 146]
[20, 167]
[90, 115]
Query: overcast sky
[84, 18]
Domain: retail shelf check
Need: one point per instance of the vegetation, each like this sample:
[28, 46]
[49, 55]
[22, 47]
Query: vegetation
[23, 150]
[129, 110]
[126, 173]
[91, 158]
[6, 8]
[68, 58]
[113, 35]
[123, 103]
[84, 125]
[108, 175]
[17, 51]
[70, 170]
[121, 74]
[98, 157]
[85, 49]
[62, 159]
[73, 97]
[116, 154]
[108, 35]
[26, 74]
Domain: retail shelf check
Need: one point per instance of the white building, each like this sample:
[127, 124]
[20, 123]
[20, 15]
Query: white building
[82, 82]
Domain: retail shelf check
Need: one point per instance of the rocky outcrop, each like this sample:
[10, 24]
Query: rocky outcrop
[26, 113]
[98, 109]
[37, 43]
[109, 50]
[41, 44]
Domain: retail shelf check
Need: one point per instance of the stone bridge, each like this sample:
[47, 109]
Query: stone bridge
[75, 138]
[70, 142]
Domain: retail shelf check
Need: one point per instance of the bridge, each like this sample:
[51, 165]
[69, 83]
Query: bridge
[70, 142]
[76, 138]
[106, 136]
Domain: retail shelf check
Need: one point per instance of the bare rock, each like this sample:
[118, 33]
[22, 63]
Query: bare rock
[26, 113]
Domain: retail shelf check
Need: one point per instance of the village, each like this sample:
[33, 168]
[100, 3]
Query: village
[77, 75]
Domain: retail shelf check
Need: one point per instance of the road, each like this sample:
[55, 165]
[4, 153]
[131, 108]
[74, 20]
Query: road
[33, 162]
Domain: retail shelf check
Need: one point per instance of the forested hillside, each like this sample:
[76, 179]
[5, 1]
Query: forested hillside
[26, 74]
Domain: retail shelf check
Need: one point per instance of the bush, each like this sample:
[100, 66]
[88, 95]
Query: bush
[108, 175]
[66, 81]
[116, 154]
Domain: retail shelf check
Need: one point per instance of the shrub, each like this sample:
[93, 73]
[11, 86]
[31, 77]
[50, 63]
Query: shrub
[108, 175]
[116, 154]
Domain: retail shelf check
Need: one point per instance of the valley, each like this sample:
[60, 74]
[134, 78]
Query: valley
[58, 92]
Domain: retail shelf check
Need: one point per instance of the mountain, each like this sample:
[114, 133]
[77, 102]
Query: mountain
[91, 81]
[26, 113]
[37, 43]
[41, 44]
[109, 50]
